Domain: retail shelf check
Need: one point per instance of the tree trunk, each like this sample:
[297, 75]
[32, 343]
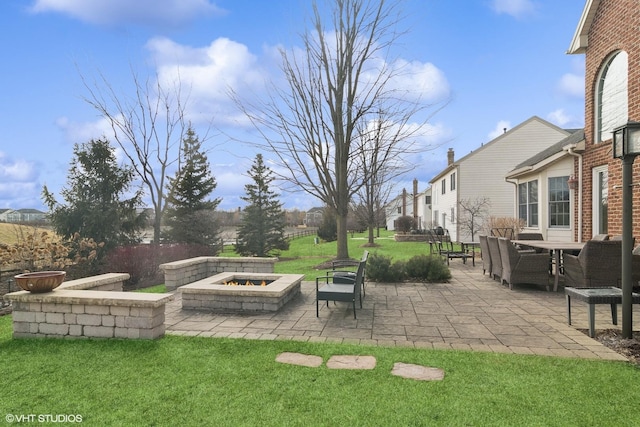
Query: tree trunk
[343, 247]
[371, 235]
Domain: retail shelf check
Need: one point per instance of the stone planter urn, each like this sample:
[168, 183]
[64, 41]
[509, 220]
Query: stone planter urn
[40, 281]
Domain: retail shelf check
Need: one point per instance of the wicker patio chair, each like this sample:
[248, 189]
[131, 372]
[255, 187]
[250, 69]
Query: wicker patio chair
[496, 261]
[599, 263]
[485, 254]
[520, 268]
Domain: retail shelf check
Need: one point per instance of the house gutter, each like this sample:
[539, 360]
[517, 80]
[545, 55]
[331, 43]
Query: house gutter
[570, 150]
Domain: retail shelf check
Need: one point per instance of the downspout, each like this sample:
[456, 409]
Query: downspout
[571, 152]
[515, 197]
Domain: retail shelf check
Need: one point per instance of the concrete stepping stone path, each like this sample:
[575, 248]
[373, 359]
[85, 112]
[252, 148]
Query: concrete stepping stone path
[299, 359]
[404, 370]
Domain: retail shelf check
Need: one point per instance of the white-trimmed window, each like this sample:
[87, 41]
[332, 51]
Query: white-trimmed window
[559, 205]
[452, 178]
[443, 186]
[528, 203]
[612, 96]
[600, 201]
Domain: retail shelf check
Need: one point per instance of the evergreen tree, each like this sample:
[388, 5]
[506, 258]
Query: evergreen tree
[96, 207]
[261, 231]
[190, 214]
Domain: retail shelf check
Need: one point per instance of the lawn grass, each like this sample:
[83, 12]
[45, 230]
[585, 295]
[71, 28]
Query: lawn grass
[304, 255]
[194, 381]
[157, 289]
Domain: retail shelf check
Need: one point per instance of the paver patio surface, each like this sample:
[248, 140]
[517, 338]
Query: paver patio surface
[471, 312]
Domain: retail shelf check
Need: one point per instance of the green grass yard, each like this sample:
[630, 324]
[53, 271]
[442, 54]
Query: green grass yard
[195, 381]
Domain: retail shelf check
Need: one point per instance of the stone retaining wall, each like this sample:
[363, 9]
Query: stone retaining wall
[191, 270]
[77, 310]
[84, 314]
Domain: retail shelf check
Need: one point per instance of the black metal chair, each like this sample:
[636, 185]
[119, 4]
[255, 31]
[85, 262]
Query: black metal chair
[346, 289]
[338, 266]
[447, 250]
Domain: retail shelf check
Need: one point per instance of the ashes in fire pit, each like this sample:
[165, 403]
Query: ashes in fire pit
[241, 292]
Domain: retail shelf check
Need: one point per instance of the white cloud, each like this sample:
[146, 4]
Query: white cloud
[563, 119]
[420, 80]
[571, 85]
[79, 133]
[156, 13]
[515, 8]
[209, 72]
[12, 171]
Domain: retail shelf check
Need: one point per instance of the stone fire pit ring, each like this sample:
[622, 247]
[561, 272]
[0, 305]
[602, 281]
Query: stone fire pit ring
[211, 293]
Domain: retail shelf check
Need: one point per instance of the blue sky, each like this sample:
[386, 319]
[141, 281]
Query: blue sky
[499, 62]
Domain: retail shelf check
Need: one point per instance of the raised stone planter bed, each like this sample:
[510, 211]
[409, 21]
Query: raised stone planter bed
[190, 270]
[212, 294]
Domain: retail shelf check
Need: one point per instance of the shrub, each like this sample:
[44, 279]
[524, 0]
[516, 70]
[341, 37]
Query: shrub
[381, 268]
[427, 268]
[405, 224]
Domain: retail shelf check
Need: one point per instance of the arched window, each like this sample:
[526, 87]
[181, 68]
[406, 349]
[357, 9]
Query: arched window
[611, 96]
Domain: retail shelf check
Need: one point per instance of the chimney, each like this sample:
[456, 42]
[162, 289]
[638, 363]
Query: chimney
[415, 198]
[450, 157]
[404, 201]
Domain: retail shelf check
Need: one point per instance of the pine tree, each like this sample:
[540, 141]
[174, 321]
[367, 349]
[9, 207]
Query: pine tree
[261, 231]
[190, 213]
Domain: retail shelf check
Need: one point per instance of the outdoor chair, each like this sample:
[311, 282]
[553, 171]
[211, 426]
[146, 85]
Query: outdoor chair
[530, 236]
[346, 289]
[347, 276]
[496, 261]
[447, 250]
[598, 264]
[485, 254]
[521, 268]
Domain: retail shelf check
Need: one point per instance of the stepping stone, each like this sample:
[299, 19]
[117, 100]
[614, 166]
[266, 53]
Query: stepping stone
[299, 359]
[417, 372]
[351, 362]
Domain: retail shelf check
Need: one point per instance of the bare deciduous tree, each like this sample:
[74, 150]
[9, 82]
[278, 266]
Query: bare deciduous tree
[381, 151]
[148, 127]
[472, 213]
[338, 83]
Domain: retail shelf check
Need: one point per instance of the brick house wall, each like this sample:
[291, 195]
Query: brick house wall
[615, 26]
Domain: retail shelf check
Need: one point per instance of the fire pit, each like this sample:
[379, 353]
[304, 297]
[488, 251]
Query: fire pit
[241, 292]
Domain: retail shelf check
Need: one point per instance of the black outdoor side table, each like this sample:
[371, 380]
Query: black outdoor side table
[592, 296]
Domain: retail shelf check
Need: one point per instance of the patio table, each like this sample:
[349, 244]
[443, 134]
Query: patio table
[556, 249]
[592, 296]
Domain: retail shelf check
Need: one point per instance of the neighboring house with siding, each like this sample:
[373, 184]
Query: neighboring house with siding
[607, 34]
[313, 217]
[22, 215]
[481, 173]
[415, 204]
[542, 194]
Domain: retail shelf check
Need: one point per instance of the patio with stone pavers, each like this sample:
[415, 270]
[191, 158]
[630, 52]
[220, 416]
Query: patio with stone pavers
[471, 312]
